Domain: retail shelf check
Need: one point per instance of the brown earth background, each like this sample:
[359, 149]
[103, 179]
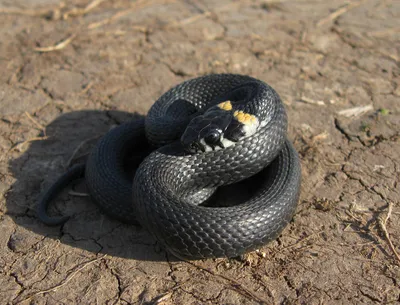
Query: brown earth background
[71, 70]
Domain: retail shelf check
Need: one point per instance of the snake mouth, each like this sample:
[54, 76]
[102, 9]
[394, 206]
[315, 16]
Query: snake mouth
[195, 147]
[202, 145]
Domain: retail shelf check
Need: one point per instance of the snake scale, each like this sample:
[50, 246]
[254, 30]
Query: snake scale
[204, 133]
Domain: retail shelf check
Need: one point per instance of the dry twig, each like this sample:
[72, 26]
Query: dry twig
[65, 281]
[86, 89]
[136, 5]
[162, 298]
[29, 12]
[59, 46]
[235, 284]
[319, 137]
[4, 156]
[29, 140]
[311, 101]
[302, 240]
[339, 12]
[204, 14]
[67, 165]
[82, 11]
[383, 33]
[53, 13]
[189, 20]
[382, 225]
[41, 127]
[356, 111]
[389, 55]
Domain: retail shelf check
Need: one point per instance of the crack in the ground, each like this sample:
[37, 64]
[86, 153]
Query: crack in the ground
[343, 130]
[291, 286]
[203, 300]
[22, 215]
[370, 190]
[393, 279]
[369, 296]
[214, 17]
[178, 285]
[178, 73]
[46, 92]
[83, 239]
[171, 269]
[9, 242]
[119, 281]
[257, 277]
[113, 119]
[41, 279]
[20, 284]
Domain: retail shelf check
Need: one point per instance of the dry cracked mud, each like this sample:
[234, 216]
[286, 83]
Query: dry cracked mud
[71, 70]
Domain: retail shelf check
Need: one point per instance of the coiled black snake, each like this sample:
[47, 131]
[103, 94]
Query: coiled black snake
[231, 127]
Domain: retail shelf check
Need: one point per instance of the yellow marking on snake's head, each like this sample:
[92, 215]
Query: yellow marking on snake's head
[245, 118]
[225, 105]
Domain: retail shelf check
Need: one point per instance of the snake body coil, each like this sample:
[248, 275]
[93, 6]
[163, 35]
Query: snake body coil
[232, 127]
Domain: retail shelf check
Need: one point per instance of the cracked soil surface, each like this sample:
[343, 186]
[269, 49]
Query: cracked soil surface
[114, 59]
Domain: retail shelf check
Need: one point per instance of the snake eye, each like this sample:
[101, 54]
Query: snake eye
[213, 138]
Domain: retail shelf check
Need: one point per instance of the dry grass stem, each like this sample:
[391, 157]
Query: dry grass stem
[189, 20]
[59, 46]
[32, 13]
[82, 11]
[18, 145]
[30, 140]
[161, 299]
[339, 12]
[383, 33]
[311, 101]
[65, 281]
[40, 126]
[302, 240]
[235, 284]
[204, 14]
[389, 55]
[319, 137]
[356, 111]
[68, 164]
[135, 6]
[382, 221]
[53, 13]
[86, 89]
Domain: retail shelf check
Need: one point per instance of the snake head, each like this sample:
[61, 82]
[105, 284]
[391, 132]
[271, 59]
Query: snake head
[205, 132]
[219, 127]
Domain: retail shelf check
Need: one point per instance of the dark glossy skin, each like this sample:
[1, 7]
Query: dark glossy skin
[170, 185]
